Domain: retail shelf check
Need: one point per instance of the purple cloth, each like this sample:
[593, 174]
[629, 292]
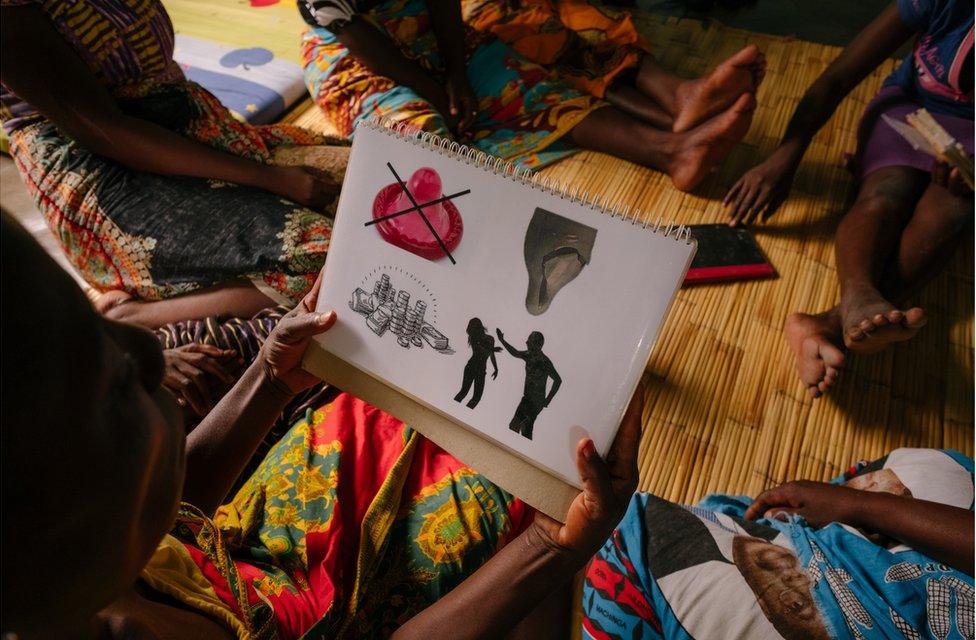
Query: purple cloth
[880, 146]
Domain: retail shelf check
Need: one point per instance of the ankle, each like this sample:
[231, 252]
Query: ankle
[658, 84]
[857, 289]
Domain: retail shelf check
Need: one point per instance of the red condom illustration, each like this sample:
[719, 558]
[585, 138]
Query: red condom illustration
[417, 216]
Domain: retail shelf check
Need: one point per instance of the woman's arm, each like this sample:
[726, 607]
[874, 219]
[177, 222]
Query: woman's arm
[381, 56]
[526, 571]
[445, 18]
[940, 531]
[223, 442]
[762, 189]
[38, 65]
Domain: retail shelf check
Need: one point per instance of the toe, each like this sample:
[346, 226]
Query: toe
[855, 333]
[833, 356]
[814, 392]
[879, 320]
[866, 325]
[895, 316]
[745, 55]
[915, 318]
[745, 103]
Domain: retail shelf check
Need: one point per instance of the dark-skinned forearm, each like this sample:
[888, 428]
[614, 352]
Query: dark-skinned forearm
[41, 67]
[373, 49]
[940, 531]
[219, 448]
[499, 594]
[448, 26]
[143, 146]
[876, 42]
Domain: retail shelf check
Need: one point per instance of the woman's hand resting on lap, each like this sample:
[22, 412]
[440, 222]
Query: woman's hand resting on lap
[190, 371]
[305, 185]
[607, 489]
[462, 104]
[950, 179]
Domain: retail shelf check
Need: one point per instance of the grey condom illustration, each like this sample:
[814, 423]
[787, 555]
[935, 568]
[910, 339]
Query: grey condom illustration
[556, 250]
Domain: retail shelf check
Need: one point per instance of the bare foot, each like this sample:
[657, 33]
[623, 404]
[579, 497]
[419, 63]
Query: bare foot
[704, 147]
[816, 340]
[871, 323]
[695, 101]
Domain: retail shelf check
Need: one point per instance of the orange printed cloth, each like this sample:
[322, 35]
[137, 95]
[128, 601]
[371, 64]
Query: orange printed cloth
[584, 42]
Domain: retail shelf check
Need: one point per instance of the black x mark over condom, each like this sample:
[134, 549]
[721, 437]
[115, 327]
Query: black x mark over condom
[556, 250]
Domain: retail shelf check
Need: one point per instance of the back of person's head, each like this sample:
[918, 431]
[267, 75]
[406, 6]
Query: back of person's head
[80, 438]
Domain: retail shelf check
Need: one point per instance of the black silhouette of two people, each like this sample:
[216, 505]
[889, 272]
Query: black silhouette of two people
[482, 349]
[538, 371]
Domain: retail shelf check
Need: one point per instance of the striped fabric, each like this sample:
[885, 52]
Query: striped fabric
[126, 44]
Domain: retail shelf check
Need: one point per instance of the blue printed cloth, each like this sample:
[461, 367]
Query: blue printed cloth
[938, 72]
[671, 571]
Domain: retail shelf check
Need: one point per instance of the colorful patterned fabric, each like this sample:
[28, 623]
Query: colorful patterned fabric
[524, 114]
[157, 236]
[245, 336]
[938, 73]
[127, 44]
[586, 43]
[705, 572]
[351, 525]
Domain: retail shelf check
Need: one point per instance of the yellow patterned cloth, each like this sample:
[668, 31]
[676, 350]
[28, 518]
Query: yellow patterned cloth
[352, 524]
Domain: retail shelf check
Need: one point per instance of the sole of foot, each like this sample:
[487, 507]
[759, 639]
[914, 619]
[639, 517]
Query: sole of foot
[872, 324]
[702, 149]
[698, 100]
[815, 342]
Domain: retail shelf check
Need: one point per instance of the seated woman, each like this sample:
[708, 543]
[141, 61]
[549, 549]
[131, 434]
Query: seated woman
[886, 551]
[427, 67]
[353, 525]
[906, 219]
[152, 188]
[597, 49]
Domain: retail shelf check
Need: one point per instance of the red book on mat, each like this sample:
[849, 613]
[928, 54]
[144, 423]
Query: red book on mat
[726, 253]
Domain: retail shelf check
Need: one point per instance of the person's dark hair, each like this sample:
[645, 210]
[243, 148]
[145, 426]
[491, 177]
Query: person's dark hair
[476, 329]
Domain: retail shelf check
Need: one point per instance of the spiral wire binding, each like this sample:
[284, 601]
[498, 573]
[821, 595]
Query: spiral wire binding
[473, 156]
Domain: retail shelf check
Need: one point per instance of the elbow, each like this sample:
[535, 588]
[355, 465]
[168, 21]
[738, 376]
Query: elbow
[92, 140]
[96, 134]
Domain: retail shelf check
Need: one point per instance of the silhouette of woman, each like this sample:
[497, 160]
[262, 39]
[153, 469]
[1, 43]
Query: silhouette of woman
[482, 348]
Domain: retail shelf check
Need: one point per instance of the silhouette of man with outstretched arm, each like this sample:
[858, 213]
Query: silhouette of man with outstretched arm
[538, 371]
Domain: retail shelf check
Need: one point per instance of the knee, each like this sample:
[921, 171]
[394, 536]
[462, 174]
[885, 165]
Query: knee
[885, 206]
[958, 211]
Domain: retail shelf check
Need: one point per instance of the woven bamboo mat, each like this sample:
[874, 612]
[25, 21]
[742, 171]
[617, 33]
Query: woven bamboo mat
[725, 411]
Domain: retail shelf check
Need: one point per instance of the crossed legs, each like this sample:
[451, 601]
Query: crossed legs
[684, 128]
[897, 236]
